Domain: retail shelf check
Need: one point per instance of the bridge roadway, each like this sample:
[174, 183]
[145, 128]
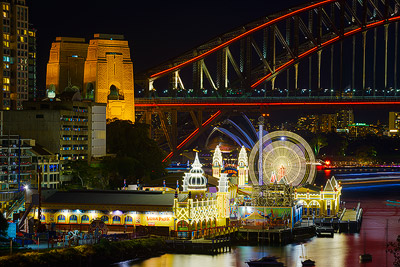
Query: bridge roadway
[246, 102]
[213, 109]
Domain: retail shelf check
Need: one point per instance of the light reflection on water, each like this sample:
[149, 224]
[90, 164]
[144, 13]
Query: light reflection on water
[341, 250]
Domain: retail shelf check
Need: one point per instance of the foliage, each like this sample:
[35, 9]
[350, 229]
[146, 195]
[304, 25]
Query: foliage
[87, 176]
[137, 155]
[101, 254]
[318, 142]
[3, 224]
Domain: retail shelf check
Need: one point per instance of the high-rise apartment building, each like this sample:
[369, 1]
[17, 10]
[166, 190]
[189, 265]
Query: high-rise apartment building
[328, 123]
[14, 54]
[344, 117]
[33, 92]
[394, 123]
[309, 123]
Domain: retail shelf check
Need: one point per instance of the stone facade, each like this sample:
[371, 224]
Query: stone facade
[102, 70]
[66, 63]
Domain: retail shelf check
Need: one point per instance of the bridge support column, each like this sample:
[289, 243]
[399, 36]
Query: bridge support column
[296, 77]
[353, 65]
[396, 34]
[386, 57]
[273, 83]
[374, 68]
[364, 46]
[319, 70]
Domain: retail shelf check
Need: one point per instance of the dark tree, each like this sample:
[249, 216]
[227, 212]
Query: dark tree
[3, 225]
[137, 155]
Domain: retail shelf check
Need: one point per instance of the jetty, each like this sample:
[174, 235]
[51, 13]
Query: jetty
[200, 246]
[350, 220]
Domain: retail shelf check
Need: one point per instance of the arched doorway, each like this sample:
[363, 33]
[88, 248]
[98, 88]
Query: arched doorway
[314, 207]
[182, 228]
[303, 204]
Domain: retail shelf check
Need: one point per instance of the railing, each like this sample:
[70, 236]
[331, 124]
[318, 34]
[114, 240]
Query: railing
[294, 99]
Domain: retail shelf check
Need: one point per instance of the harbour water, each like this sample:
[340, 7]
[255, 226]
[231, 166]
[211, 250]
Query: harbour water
[380, 224]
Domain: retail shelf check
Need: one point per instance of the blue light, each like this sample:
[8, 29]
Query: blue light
[367, 187]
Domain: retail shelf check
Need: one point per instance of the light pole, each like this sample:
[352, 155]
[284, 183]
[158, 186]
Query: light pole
[260, 148]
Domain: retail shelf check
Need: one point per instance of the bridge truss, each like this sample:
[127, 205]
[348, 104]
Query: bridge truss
[334, 48]
[304, 39]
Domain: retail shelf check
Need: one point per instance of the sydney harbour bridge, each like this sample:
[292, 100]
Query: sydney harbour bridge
[335, 52]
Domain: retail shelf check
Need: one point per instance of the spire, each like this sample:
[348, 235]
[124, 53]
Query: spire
[217, 158]
[334, 182]
[273, 177]
[328, 186]
[283, 180]
[195, 179]
[196, 163]
[243, 161]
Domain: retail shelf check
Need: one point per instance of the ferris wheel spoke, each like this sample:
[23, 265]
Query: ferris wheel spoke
[285, 154]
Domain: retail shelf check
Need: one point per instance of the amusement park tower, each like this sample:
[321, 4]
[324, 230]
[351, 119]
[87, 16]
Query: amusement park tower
[217, 162]
[195, 181]
[243, 167]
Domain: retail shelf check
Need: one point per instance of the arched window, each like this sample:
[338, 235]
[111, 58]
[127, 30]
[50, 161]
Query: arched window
[42, 218]
[85, 219]
[314, 208]
[183, 226]
[104, 218]
[114, 94]
[90, 91]
[116, 220]
[73, 219]
[304, 205]
[60, 218]
[128, 220]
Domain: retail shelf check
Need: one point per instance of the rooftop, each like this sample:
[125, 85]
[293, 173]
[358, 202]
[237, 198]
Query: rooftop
[109, 197]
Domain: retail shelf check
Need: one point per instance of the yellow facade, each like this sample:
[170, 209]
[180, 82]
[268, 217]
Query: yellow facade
[109, 70]
[102, 70]
[84, 217]
[320, 202]
[66, 63]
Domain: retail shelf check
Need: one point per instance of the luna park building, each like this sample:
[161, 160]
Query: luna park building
[194, 210]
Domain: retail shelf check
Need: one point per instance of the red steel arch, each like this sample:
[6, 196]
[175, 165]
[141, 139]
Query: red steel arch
[365, 14]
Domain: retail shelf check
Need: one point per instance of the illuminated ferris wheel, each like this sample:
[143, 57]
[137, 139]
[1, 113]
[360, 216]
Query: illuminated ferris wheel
[286, 156]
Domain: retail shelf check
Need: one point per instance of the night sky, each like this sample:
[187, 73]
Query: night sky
[156, 30]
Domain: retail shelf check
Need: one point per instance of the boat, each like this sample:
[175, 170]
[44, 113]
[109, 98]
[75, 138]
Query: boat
[265, 261]
[308, 262]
